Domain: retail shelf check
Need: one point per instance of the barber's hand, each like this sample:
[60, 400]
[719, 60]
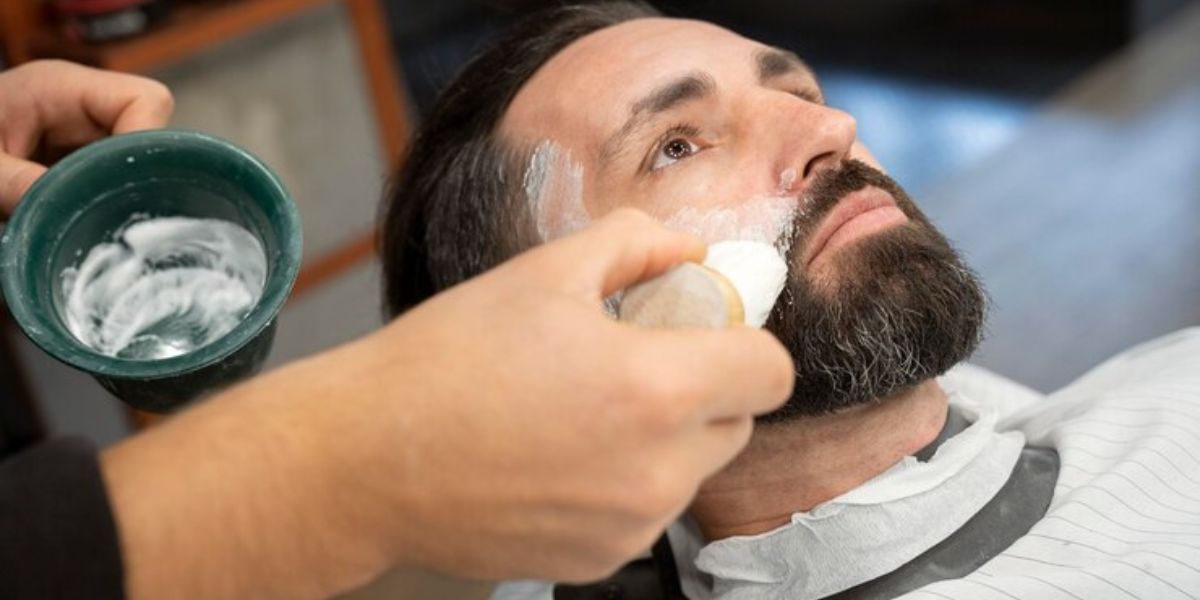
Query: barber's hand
[520, 431]
[505, 428]
[49, 107]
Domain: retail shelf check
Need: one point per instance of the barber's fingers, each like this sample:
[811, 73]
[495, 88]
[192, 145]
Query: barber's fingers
[150, 108]
[71, 96]
[65, 105]
[619, 250]
[124, 103]
[721, 374]
[73, 135]
[16, 175]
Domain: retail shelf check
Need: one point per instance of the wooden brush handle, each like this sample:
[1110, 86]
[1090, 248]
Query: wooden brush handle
[688, 296]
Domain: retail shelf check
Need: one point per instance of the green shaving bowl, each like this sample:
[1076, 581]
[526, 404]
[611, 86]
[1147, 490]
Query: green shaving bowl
[89, 195]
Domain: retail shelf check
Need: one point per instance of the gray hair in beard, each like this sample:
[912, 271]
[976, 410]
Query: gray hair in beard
[899, 308]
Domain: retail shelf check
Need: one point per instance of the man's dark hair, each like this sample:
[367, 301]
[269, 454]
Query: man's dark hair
[456, 208]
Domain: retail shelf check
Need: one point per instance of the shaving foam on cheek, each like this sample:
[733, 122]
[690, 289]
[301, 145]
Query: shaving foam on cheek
[756, 270]
[554, 188]
[748, 245]
[768, 220]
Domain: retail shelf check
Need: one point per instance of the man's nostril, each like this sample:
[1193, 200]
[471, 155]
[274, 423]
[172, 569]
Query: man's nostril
[818, 162]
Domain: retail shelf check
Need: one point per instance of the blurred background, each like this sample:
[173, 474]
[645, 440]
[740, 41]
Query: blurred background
[1056, 142]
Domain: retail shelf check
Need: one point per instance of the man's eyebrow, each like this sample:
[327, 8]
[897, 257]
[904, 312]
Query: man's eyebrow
[673, 93]
[663, 98]
[776, 62]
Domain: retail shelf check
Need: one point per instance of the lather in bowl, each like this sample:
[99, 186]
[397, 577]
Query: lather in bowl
[90, 194]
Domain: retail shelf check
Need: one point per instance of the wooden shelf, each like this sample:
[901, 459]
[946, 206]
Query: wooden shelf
[197, 25]
[192, 26]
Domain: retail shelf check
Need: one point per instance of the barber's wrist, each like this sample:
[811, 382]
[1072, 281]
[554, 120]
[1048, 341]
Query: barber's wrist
[371, 484]
[378, 397]
[322, 413]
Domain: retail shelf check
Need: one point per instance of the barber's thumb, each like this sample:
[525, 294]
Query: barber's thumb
[16, 175]
[623, 248]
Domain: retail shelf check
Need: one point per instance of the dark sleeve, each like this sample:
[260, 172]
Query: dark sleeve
[57, 534]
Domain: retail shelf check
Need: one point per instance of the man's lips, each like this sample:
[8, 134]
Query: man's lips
[857, 215]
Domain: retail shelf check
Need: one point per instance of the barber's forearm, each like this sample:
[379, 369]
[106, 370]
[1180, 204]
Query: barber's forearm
[244, 497]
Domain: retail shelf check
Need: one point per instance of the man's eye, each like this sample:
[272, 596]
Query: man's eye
[808, 96]
[672, 152]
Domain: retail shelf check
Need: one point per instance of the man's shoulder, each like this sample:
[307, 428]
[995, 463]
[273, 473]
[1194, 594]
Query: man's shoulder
[1126, 503]
[1122, 402]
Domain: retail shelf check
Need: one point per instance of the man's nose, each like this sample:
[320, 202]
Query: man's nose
[816, 137]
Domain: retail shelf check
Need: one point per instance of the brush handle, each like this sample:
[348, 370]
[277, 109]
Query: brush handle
[688, 296]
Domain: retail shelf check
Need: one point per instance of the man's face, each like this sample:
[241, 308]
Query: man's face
[679, 117]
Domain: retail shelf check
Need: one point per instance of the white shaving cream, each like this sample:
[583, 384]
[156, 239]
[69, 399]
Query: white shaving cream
[554, 188]
[757, 272]
[163, 287]
[748, 243]
[768, 220]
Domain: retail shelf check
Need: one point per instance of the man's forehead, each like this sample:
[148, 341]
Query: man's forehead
[643, 42]
[590, 83]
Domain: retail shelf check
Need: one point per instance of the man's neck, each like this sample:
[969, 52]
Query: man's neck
[794, 466]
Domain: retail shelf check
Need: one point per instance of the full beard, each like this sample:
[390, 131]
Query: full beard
[892, 310]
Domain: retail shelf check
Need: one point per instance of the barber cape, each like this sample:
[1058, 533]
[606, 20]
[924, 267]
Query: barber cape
[1124, 521]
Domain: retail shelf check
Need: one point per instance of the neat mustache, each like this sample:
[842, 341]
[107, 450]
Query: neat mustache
[828, 189]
